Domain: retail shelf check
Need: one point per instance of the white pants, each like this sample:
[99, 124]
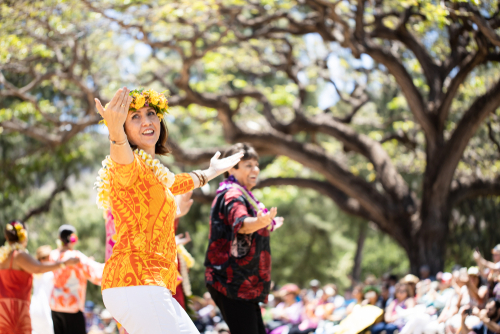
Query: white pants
[147, 310]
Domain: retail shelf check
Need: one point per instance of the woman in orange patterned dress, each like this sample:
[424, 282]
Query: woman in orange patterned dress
[16, 278]
[141, 275]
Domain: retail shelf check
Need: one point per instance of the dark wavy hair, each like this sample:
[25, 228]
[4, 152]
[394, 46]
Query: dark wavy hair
[161, 145]
[248, 153]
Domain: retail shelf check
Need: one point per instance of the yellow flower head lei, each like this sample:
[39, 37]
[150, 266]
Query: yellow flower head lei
[148, 98]
[20, 230]
[21, 235]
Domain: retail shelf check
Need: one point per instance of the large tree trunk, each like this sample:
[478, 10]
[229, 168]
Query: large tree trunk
[428, 246]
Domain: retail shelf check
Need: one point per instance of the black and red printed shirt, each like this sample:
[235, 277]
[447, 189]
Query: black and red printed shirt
[237, 265]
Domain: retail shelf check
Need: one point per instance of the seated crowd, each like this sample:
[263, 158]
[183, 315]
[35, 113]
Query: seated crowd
[465, 300]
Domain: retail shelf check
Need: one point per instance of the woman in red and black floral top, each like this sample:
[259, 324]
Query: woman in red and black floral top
[238, 260]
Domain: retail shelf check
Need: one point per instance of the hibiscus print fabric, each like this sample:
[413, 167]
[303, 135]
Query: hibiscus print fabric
[70, 283]
[237, 265]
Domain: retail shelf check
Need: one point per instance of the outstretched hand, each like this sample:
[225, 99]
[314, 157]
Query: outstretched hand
[116, 112]
[220, 166]
[477, 256]
[265, 219]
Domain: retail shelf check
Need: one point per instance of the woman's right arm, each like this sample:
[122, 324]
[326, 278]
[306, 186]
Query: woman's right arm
[32, 266]
[115, 115]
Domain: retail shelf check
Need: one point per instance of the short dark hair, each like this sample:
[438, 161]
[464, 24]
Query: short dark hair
[11, 233]
[248, 153]
[65, 232]
[161, 145]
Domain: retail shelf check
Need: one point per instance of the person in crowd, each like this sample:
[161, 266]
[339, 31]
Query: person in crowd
[424, 319]
[483, 263]
[392, 281]
[333, 295]
[477, 291]
[209, 311]
[490, 318]
[67, 300]
[445, 292]
[108, 324]
[41, 317]
[384, 298]
[290, 310]
[371, 296]
[314, 292]
[425, 273]
[464, 297]
[323, 308]
[370, 280]
[358, 296]
[318, 310]
[392, 320]
[238, 258]
[411, 281]
[140, 277]
[16, 279]
[91, 319]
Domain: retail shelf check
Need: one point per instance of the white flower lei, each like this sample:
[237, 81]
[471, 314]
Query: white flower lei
[6, 249]
[185, 261]
[102, 185]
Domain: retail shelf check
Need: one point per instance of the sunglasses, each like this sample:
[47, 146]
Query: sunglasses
[43, 258]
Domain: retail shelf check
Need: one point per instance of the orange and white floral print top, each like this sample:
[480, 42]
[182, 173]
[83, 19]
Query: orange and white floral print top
[144, 210]
[70, 283]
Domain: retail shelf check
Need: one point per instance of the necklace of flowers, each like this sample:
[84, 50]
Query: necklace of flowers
[257, 206]
[6, 249]
[103, 185]
[185, 261]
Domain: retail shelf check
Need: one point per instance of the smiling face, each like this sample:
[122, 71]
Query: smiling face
[246, 173]
[143, 128]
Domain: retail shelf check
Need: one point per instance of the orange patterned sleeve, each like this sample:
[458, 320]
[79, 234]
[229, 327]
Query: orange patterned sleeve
[183, 183]
[126, 175]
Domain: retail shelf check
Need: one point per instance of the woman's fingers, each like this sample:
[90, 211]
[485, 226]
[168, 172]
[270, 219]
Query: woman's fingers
[100, 108]
[122, 103]
[116, 97]
[216, 156]
[272, 213]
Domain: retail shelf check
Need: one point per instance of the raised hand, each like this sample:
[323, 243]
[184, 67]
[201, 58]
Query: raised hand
[265, 219]
[181, 240]
[477, 256]
[220, 166]
[116, 112]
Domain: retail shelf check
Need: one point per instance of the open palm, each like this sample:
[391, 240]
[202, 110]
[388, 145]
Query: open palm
[223, 165]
